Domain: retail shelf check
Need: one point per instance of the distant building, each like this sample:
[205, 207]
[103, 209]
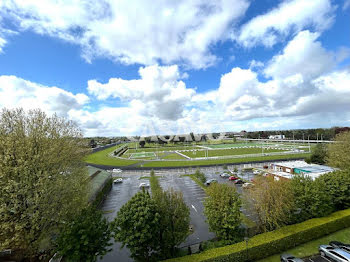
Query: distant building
[289, 169]
[277, 137]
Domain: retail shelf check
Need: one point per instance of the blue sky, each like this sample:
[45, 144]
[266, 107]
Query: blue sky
[133, 67]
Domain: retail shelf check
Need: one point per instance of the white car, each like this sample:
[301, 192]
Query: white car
[247, 185]
[118, 180]
[256, 172]
[225, 175]
[144, 185]
[117, 170]
[336, 254]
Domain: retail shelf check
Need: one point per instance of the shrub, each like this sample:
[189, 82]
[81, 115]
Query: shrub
[200, 176]
[266, 244]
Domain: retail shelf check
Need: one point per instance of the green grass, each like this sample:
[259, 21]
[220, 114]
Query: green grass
[311, 248]
[229, 152]
[174, 156]
[221, 161]
[102, 158]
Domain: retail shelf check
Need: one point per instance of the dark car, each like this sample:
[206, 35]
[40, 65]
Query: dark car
[238, 182]
[208, 182]
[290, 258]
[337, 244]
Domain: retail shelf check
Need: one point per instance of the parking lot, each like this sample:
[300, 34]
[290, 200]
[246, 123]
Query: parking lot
[193, 194]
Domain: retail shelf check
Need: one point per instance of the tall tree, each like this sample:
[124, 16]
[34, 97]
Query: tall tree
[339, 152]
[174, 217]
[43, 180]
[319, 154]
[85, 238]
[311, 198]
[222, 209]
[273, 202]
[137, 226]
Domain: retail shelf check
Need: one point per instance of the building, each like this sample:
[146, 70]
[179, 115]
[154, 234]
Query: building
[291, 168]
[277, 137]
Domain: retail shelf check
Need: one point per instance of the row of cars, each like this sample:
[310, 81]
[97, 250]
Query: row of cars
[335, 251]
[235, 179]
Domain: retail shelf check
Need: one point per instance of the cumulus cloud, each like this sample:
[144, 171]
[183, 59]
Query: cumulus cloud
[159, 91]
[145, 32]
[17, 92]
[290, 16]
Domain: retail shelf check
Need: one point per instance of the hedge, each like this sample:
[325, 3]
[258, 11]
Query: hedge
[277, 241]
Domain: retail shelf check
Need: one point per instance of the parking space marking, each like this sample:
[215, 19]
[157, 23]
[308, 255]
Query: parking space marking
[194, 208]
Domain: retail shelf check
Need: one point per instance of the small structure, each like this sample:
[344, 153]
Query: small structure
[277, 137]
[291, 168]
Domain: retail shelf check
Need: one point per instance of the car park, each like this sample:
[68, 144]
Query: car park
[334, 253]
[340, 245]
[118, 180]
[144, 185]
[290, 258]
[208, 182]
[225, 175]
[232, 178]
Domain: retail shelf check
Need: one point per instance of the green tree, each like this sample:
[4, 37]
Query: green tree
[319, 154]
[200, 176]
[85, 238]
[339, 152]
[222, 209]
[43, 180]
[311, 198]
[338, 187]
[273, 202]
[137, 226]
[174, 217]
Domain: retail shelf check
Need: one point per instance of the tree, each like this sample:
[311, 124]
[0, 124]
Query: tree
[174, 217]
[142, 143]
[339, 152]
[319, 154]
[174, 221]
[338, 187]
[222, 209]
[137, 226]
[273, 202]
[311, 198]
[44, 182]
[85, 238]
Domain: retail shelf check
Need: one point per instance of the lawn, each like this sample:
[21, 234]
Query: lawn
[174, 156]
[222, 161]
[102, 158]
[311, 248]
[229, 152]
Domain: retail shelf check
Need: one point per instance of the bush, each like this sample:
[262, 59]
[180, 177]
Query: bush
[200, 176]
[264, 245]
[101, 195]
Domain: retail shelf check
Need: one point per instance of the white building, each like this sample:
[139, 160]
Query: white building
[277, 137]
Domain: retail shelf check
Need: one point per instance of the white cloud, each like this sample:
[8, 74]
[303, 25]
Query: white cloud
[302, 55]
[159, 91]
[289, 17]
[17, 92]
[143, 32]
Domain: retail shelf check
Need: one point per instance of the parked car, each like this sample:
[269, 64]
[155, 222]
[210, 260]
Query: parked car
[334, 253]
[118, 180]
[238, 182]
[144, 185]
[340, 245]
[208, 182]
[225, 175]
[290, 258]
[256, 172]
[232, 178]
[247, 185]
[117, 170]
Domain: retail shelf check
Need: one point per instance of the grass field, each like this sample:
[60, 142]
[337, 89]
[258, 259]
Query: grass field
[143, 155]
[174, 160]
[195, 163]
[311, 248]
[229, 152]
